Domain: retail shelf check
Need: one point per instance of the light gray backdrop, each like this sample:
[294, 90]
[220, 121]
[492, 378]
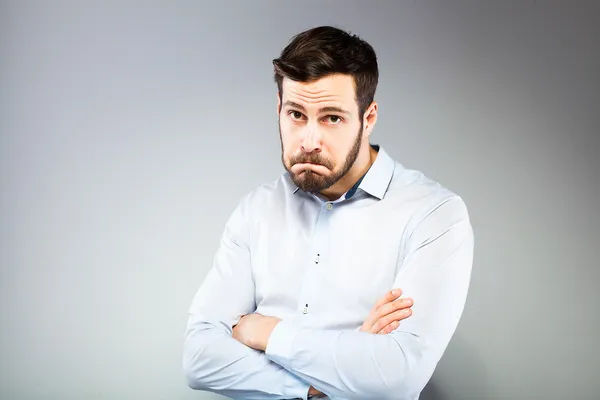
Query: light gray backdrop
[130, 130]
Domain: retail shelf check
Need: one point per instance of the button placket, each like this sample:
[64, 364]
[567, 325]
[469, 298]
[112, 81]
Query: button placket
[319, 246]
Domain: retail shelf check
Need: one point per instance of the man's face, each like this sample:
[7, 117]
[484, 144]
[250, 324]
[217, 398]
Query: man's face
[320, 130]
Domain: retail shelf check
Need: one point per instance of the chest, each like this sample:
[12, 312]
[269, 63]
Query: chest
[329, 268]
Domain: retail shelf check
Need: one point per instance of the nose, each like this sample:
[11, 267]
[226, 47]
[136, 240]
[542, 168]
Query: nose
[312, 140]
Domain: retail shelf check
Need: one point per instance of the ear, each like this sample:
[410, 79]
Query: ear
[370, 119]
[278, 104]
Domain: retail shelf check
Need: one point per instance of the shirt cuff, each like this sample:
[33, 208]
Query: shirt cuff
[295, 388]
[280, 346]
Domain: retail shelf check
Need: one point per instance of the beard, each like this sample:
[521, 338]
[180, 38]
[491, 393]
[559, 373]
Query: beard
[311, 182]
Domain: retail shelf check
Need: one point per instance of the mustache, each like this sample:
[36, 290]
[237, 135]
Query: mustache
[312, 159]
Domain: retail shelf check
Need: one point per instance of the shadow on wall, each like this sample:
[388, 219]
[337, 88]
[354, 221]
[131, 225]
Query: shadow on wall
[461, 370]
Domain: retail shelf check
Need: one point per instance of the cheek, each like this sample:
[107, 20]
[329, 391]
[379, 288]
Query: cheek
[339, 149]
[287, 127]
[288, 138]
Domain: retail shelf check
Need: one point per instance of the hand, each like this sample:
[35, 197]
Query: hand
[314, 392]
[387, 313]
[254, 330]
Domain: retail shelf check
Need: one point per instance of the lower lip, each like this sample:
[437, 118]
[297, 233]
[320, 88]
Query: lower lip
[297, 168]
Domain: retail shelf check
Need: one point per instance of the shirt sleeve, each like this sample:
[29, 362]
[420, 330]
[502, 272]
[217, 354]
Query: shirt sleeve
[212, 359]
[435, 271]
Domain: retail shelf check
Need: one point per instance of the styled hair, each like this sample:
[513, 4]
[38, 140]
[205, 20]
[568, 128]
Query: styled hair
[326, 50]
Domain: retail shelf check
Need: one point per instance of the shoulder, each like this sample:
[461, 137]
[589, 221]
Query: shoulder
[423, 196]
[267, 195]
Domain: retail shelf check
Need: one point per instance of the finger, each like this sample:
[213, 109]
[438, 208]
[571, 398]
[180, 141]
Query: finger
[373, 316]
[389, 329]
[388, 319]
[388, 297]
[389, 308]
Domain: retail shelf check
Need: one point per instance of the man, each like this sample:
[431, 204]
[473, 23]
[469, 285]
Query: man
[304, 297]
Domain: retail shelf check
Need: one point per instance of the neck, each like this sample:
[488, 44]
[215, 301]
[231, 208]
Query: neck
[362, 164]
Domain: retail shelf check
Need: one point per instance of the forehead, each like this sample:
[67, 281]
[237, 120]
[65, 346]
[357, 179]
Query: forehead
[336, 90]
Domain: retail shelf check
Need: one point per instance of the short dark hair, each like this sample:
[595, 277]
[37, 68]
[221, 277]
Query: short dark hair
[326, 50]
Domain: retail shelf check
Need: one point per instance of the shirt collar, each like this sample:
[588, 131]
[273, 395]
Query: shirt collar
[377, 179]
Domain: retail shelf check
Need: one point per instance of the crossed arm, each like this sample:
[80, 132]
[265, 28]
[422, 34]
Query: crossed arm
[435, 272]
[254, 330]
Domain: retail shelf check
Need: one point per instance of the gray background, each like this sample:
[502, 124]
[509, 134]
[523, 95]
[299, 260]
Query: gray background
[130, 130]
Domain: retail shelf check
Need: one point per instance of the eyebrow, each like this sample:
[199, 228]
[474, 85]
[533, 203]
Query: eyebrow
[321, 110]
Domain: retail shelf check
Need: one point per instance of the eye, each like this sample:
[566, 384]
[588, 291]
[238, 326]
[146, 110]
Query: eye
[334, 119]
[296, 115]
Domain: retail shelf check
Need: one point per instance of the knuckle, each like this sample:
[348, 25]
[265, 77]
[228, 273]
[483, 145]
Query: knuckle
[403, 303]
[379, 313]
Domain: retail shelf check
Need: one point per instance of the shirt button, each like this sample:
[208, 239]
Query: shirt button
[329, 206]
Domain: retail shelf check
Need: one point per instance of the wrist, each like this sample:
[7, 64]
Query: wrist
[269, 324]
[314, 393]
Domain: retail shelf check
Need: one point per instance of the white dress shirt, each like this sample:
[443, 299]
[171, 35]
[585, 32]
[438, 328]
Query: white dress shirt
[321, 266]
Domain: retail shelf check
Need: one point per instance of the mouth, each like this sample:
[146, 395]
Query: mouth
[302, 167]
